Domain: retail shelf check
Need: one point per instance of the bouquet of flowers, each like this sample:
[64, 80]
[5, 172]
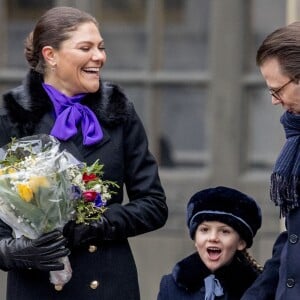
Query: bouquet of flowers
[90, 192]
[42, 188]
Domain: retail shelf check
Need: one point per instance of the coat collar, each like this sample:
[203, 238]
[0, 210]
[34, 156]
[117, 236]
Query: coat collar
[27, 104]
[190, 272]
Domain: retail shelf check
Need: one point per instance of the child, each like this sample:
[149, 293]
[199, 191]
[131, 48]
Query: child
[222, 222]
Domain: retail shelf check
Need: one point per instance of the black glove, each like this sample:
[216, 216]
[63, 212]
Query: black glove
[41, 253]
[83, 234]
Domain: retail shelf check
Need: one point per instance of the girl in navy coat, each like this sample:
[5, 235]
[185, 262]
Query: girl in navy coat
[222, 222]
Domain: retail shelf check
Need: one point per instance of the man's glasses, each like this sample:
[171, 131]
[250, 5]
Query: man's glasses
[276, 93]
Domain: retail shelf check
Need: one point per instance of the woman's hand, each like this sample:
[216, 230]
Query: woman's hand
[42, 253]
[83, 234]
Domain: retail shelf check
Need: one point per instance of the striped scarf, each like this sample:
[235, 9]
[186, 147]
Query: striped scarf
[285, 179]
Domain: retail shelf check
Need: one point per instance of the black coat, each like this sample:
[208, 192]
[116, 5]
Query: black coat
[186, 282]
[27, 110]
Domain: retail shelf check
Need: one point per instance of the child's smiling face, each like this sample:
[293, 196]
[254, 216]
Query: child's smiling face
[217, 243]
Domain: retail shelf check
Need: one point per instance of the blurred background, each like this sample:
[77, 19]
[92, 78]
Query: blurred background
[189, 67]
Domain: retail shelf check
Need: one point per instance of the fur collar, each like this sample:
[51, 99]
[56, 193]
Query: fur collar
[190, 272]
[28, 103]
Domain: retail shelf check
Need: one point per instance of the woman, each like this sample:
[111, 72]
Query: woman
[278, 57]
[64, 96]
[222, 223]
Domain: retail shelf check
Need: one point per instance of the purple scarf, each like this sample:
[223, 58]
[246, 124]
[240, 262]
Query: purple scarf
[69, 112]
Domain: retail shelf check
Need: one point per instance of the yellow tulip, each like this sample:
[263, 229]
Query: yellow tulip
[35, 182]
[25, 192]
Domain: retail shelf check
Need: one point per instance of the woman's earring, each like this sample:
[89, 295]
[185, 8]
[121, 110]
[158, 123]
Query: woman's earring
[53, 67]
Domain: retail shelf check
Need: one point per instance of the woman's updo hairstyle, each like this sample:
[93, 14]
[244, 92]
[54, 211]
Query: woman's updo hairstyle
[51, 30]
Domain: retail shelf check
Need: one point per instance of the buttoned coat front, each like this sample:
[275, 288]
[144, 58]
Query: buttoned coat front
[105, 270]
[280, 278]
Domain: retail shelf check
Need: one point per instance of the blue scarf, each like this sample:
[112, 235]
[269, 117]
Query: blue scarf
[285, 179]
[69, 113]
[213, 287]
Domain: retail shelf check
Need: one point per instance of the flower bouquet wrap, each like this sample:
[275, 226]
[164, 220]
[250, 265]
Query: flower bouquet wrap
[42, 188]
[36, 190]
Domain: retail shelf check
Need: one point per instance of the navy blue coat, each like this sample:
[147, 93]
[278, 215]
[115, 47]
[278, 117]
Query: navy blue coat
[280, 279]
[265, 285]
[186, 282]
[124, 152]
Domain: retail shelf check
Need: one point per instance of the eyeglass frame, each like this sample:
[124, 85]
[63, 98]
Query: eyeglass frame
[275, 93]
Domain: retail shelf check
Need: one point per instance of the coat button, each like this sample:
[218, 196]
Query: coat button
[94, 284]
[290, 282]
[58, 287]
[92, 248]
[293, 238]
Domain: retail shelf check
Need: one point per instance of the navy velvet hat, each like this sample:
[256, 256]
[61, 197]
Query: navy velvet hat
[228, 206]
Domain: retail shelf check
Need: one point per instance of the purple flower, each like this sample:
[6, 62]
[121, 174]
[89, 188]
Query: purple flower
[98, 201]
[75, 192]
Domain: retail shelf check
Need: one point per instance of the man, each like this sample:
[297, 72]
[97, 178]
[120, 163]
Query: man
[278, 58]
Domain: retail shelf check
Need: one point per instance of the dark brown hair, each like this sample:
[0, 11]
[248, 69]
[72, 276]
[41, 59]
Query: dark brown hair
[245, 257]
[283, 44]
[52, 29]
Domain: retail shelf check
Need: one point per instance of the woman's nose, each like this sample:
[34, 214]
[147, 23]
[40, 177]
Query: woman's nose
[99, 54]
